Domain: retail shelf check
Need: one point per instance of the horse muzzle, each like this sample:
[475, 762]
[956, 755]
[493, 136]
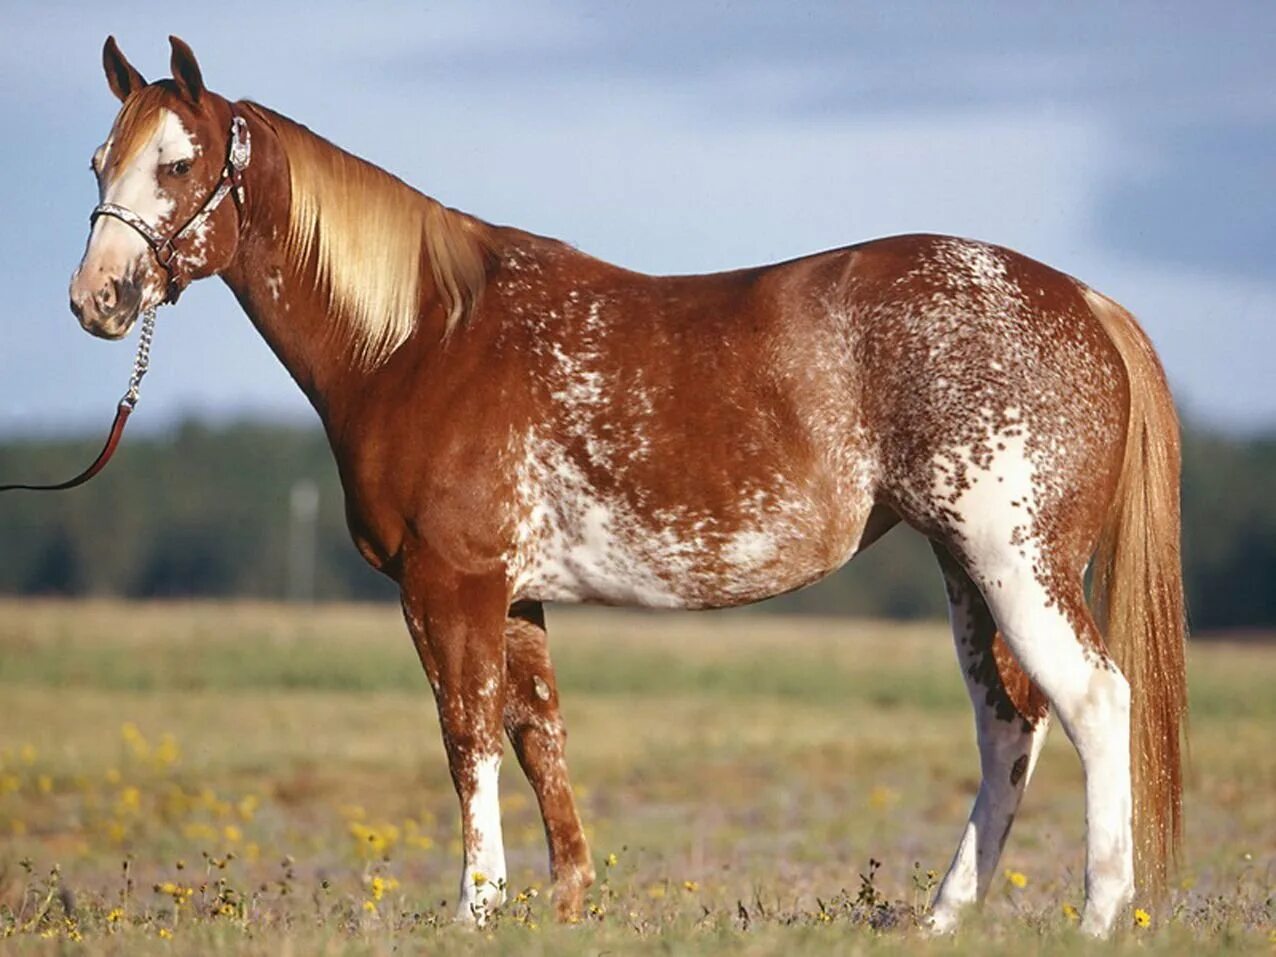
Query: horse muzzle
[106, 308]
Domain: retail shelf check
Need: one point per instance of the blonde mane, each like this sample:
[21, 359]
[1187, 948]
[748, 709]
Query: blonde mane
[366, 232]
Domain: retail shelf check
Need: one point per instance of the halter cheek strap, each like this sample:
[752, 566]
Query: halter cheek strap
[165, 248]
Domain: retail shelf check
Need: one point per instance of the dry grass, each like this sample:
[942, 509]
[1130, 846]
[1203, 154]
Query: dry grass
[742, 769]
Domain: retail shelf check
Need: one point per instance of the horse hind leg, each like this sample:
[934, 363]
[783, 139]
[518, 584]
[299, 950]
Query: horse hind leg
[535, 729]
[1011, 719]
[1037, 599]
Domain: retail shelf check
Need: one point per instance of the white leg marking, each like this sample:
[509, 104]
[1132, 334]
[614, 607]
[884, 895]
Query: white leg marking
[483, 878]
[1092, 701]
[1007, 756]
[975, 863]
[1009, 563]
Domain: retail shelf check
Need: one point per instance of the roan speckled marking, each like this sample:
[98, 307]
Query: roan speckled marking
[516, 422]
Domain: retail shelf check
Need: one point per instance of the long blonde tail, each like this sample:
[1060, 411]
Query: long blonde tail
[1138, 596]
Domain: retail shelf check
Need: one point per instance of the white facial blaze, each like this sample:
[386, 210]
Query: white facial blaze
[116, 249]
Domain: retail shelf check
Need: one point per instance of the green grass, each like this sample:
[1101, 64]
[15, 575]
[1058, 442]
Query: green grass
[763, 760]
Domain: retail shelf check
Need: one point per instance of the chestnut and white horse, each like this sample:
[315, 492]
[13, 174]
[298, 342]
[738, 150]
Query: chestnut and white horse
[516, 422]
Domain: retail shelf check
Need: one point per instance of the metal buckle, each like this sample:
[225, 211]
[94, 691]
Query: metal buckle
[165, 253]
[241, 147]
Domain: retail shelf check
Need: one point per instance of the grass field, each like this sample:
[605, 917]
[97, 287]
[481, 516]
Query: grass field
[265, 779]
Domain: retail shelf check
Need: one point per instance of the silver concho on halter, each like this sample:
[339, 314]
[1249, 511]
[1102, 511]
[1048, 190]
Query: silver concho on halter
[241, 150]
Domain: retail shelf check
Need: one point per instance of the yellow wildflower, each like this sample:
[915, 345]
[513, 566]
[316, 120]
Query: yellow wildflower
[1070, 913]
[1016, 879]
[691, 886]
[167, 753]
[115, 916]
[612, 860]
[370, 907]
[882, 797]
[199, 831]
[165, 934]
[135, 740]
[179, 893]
[232, 834]
[479, 878]
[1141, 917]
[374, 841]
[129, 800]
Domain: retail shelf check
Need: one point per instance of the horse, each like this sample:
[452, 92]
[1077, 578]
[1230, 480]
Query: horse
[516, 422]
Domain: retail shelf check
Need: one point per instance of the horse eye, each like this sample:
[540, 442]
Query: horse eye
[179, 168]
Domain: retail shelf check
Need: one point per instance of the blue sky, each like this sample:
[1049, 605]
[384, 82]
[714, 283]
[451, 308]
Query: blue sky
[1133, 145]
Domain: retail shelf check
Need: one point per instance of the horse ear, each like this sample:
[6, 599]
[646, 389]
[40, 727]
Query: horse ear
[190, 82]
[121, 76]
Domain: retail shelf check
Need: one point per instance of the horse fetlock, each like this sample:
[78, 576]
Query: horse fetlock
[570, 886]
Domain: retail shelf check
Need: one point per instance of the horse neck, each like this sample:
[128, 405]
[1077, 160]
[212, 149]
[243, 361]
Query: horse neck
[289, 309]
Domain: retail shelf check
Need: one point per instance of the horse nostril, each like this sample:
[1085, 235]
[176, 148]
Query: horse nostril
[106, 297]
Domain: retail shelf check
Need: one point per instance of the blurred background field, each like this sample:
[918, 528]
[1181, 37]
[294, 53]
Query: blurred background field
[742, 769]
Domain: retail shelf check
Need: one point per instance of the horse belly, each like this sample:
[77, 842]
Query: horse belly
[589, 549]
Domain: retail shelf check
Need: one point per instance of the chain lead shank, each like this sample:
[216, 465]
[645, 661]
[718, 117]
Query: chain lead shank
[142, 361]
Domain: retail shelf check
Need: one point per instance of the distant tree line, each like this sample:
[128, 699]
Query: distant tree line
[206, 512]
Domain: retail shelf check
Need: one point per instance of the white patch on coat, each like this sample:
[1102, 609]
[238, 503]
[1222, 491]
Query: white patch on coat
[275, 284]
[749, 547]
[996, 509]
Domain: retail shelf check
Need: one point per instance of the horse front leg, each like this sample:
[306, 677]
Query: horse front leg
[457, 624]
[536, 730]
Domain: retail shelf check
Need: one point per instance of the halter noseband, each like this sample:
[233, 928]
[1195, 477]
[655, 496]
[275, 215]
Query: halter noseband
[238, 155]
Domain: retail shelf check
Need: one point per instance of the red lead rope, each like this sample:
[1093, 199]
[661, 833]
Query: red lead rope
[122, 412]
[141, 363]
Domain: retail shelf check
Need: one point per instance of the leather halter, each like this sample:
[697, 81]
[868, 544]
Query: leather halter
[165, 248]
